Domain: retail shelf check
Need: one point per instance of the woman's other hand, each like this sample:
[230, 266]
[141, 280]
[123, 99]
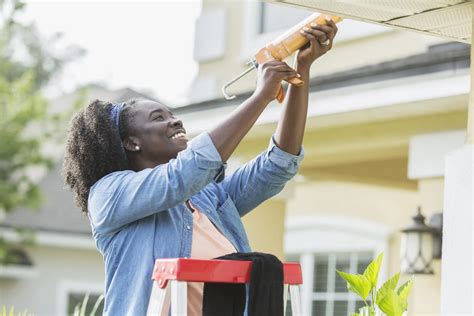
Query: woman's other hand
[320, 38]
[269, 77]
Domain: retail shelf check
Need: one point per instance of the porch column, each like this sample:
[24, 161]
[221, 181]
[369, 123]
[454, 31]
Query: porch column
[458, 232]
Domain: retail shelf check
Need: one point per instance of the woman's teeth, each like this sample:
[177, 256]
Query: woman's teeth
[178, 135]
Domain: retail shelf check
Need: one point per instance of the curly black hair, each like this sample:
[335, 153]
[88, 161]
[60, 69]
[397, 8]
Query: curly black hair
[94, 147]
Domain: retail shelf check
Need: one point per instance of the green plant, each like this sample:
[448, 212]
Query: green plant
[28, 124]
[80, 309]
[388, 299]
[11, 312]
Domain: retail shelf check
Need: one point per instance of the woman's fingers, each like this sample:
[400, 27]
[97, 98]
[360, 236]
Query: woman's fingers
[314, 36]
[284, 74]
[285, 68]
[322, 32]
[327, 30]
[289, 75]
[279, 70]
[333, 25]
[274, 63]
[279, 66]
[314, 30]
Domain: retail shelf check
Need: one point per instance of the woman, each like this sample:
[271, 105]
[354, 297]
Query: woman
[150, 194]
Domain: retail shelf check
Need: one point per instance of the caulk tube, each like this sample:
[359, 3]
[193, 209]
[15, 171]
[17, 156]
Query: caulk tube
[288, 43]
[292, 40]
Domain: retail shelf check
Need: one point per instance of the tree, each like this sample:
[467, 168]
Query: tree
[26, 66]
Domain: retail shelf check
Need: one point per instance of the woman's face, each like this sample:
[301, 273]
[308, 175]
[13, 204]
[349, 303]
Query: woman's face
[159, 135]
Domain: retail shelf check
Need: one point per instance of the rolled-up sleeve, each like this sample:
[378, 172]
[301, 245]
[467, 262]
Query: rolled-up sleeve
[262, 177]
[125, 196]
[286, 161]
[207, 156]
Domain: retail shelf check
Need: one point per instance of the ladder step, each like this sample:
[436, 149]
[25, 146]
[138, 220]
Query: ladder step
[220, 271]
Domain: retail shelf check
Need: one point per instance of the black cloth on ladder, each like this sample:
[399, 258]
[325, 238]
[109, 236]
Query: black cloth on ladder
[265, 289]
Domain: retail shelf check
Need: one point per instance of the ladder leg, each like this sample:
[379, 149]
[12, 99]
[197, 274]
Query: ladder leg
[295, 300]
[285, 297]
[179, 298]
[157, 300]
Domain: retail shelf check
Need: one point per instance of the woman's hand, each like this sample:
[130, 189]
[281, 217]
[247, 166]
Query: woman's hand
[317, 35]
[270, 75]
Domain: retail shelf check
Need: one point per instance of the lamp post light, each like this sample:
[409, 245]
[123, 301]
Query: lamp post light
[420, 244]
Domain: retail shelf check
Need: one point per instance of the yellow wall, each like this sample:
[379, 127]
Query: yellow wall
[392, 207]
[359, 171]
[265, 227]
[356, 162]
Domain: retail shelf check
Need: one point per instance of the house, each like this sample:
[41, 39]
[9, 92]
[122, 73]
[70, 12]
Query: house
[386, 106]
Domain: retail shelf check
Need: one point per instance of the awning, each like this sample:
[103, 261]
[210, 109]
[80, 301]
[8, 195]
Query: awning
[449, 19]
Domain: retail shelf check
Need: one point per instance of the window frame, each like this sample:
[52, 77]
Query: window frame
[68, 286]
[330, 294]
[332, 235]
[253, 40]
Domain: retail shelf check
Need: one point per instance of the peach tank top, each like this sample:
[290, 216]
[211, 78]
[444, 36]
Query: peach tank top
[208, 242]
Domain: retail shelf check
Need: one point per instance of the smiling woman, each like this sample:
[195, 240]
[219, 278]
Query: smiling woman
[149, 193]
[153, 136]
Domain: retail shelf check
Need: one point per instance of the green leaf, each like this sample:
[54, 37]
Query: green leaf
[391, 284]
[354, 314]
[405, 288]
[391, 304]
[96, 305]
[367, 311]
[371, 273]
[403, 292]
[76, 309]
[356, 283]
[82, 311]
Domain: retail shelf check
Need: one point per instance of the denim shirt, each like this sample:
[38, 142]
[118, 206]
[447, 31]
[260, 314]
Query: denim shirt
[137, 217]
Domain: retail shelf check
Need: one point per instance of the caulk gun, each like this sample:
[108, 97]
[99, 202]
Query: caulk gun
[282, 47]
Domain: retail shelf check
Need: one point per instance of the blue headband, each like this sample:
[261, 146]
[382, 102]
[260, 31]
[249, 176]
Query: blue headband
[115, 111]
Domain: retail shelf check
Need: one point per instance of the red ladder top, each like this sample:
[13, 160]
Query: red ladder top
[220, 271]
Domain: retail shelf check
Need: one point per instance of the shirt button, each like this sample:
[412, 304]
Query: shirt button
[188, 227]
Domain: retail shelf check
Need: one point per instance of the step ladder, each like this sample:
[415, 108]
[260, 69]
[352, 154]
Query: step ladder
[179, 271]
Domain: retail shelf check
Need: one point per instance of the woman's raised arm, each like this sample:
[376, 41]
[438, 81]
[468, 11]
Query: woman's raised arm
[290, 129]
[228, 134]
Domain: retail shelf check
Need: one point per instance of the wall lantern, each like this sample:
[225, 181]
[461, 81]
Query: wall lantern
[421, 243]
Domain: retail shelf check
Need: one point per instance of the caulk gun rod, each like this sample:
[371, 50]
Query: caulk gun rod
[240, 76]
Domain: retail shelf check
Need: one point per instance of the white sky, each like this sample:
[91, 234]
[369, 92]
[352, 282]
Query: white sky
[146, 45]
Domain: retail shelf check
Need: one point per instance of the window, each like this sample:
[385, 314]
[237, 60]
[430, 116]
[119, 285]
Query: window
[263, 22]
[72, 292]
[326, 292]
[330, 294]
[76, 298]
[275, 17]
[322, 244]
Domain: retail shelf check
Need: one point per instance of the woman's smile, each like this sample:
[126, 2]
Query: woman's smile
[179, 134]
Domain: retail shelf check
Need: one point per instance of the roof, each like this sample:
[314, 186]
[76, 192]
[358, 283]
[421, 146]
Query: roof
[440, 57]
[450, 19]
[58, 212]
[101, 93]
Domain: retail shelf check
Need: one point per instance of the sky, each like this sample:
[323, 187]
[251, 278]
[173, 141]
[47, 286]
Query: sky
[145, 45]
